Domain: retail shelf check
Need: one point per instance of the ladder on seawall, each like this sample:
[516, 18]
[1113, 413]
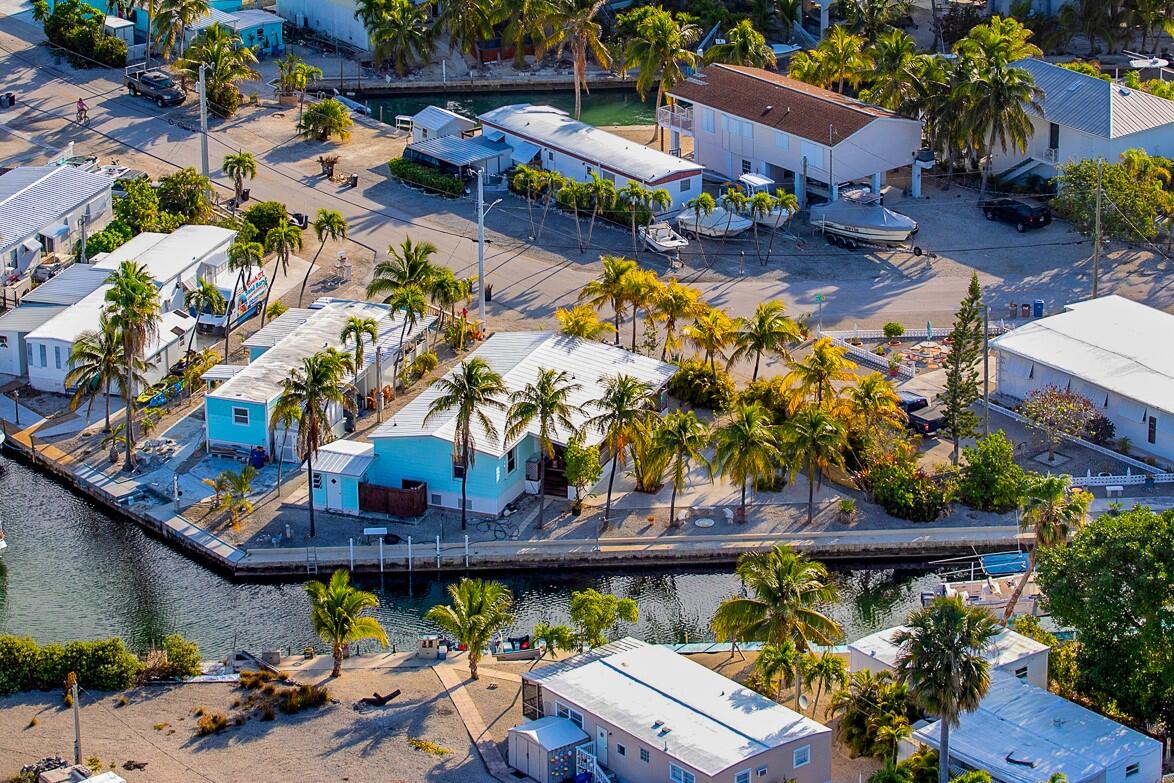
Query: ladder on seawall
[312, 560]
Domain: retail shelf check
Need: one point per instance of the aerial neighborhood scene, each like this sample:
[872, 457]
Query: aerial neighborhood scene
[587, 391]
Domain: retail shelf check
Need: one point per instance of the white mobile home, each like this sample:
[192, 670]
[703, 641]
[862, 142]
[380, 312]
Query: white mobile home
[176, 260]
[38, 307]
[42, 209]
[432, 122]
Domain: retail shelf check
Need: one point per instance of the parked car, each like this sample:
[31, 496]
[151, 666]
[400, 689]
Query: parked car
[928, 420]
[1021, 214]
[910, 402]
[155, 85]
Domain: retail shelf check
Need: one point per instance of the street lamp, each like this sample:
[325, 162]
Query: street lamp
[482, 211]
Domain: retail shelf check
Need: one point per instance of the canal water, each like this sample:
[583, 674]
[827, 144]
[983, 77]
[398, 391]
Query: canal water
[601, 107]
[72, 571]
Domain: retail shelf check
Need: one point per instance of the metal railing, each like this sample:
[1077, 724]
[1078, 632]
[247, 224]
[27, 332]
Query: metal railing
[585, 761]
[678, 118]
[905, 370]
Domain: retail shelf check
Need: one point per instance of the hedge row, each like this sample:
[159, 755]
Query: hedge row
[103, 665]
[426, 177]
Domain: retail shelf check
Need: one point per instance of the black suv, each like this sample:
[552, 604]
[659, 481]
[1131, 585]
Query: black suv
[1019, 213]
[929, 420]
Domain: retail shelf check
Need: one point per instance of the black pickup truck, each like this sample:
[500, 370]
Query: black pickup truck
[154, 85]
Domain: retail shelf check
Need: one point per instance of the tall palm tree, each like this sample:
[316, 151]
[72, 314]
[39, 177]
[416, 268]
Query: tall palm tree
[411, 302]
[787, 597]
[328, 224]
[1000, 96]
[681, 437]
[743, 46]
[132, 306]
[815, 376]
[171, 22]
[603, 197]
[307, 395]
[579, 30]
[479, 609]
[1052, 510]
[769, 330]
[760, 206]
[674, 303]
[527, 20]
[787, 205]
[402, 36]
[625, 403]
[336, 614]
[546, 401]
[409, 264]
[610, 287]
[874, 406]
[823, 671]
[703, 204]
[284, 240]
[872, 18]
[710, 333]
[733, 201]
[468, 23]
[95, 365]
[243, 256]
[641, 287]
[471, 389]
[941, 661]
[204, 298]
[583, 322]
[575, 196]
[633, 196]
[239, 165]
[548, 183]
[746, 448]
[844, 57]
[814, 440]
[789, 12]
[356, 328]
[445, 289]
[894, 76]
[662, 48]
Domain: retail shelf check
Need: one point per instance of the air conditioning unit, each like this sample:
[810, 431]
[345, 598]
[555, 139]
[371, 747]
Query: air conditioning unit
[532, 469]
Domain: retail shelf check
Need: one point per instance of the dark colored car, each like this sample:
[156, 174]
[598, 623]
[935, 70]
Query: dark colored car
[1020, 214]
[929, 420]
[156, 86]
[911, 402]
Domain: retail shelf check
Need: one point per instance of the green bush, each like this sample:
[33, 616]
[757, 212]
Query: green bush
[906, 491]
[224, 100]
[103, 665]
[771, 394]
[114, 236]
[264, 215]
[696, 384]
[18, 662]
[424, 363]
[425, 177]
[991, 479]
[893, 330]
[78, 29]
[183, 656]
[1101, 430]
[921, 767]
[303, 697]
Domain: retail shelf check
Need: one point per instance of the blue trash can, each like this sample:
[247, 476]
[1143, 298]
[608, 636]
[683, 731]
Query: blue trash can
[1037, 308]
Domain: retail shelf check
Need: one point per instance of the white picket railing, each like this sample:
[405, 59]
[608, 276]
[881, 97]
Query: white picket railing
[993, 329]
[905, 370]
[585, 761]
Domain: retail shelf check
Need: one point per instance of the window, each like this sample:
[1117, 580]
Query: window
[317, 480]
[760, 772]
[742, 777]
[57, 359]
[678, 775]
[745, 167]
[240, 416]
[1053, 136]
[801, 757]
[28, 349]
[3, 341]
[621, 750]
[707, 120]
[1021, 672]
[1152, 435]
[44, 361]
[686, 185]
[782, 140]
[458, 470]
[511, 460]
[644, 755]
[573, 716]
[1132, 769]
[550, 154]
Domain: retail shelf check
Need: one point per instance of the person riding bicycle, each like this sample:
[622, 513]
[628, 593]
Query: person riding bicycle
[82, 110]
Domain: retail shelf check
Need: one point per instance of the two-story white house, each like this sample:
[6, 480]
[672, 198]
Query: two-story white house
[1085, 118]
[754, 121]
[42, 209]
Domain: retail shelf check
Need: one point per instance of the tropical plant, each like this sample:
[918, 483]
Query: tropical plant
[777, 663]
[226, 61]
[603, 197]
[675, 302]
[409, 264]
[815, 376]
[243, 256]
[681, 437]
[527, 20]
[579, 30]
[426, 177]
[823, 671]
[991, 478]
[402, 36]
[626, 401]
[551, 638]
[633, 196]
[703, 204]
[610, 288]
[479, 609]
[641, 287]
[204, 298]
[283, 240]
[733, 201]
[583, 322]
[874, 408]
[356, 328]
[593, 613]
[746, 448]
[172, 19]
[768, 331]
[467, 22]
[219, 486]
[662, 49]
[711, 333]
[866, 705]
[132, 307]
[328, 224]
[324, 119]
[582, 467]
[812, 439]
[95, 365]
[411, 302]
[575, 196]
[239, 165]
[743, 46]
[337, 615]
[236, 495]
[546, 402]
[873, 18]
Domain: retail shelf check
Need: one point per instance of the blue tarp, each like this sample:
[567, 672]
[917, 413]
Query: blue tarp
[1005, 563]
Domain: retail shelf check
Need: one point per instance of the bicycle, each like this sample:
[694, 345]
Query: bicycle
[83, 117]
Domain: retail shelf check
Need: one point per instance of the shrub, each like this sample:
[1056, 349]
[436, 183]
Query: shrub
[185, 194]
[1063, 669]
[1101, 430]
[224, 100]
[921, 767]
[276, 310]
[265, 215]
[1055, 413]
[18, 662]
[428, 746]
[905, 490]
[893, 330]
[104, 665]
[973, 776]
[991, 479]
[459, 334]
[211, 723]
[324, 119]
[889, 773]
[183, 656]
[250, 680]
[771, 393]
[78, 29]
[114, 236]
[303, 697]
[425, 363]
[697, 384]
[425, 177]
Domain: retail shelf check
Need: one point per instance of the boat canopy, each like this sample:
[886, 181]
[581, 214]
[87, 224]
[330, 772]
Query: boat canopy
[756, 181]
[862, 215]
[1004, 563]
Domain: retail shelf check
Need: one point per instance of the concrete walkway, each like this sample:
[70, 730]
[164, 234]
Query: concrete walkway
[454, 684]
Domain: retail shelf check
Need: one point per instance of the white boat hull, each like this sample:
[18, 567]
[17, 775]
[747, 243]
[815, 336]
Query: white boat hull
[718, 223]
[879, 236]
[660, 238]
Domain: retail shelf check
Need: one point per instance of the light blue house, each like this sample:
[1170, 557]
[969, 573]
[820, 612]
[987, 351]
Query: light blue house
[339, 467]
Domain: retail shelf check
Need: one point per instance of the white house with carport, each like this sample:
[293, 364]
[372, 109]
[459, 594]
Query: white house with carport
[1081, 117]
[176, 260]
[1112, 350]
[42, 209]
[754, 121]
[45, 302]
[550, 138]
[432, 122]
[1021, 733]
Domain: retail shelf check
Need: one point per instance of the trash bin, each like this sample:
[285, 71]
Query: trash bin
[489, 292]
[1014, 309]
[1025, 310]
[10, 99]
[354, 180]
[244, 195]
[1037, 309]
[442, 652]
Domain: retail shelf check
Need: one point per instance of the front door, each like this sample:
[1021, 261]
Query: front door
[601, 745]
[333, 493]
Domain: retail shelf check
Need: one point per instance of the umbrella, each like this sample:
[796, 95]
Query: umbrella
[928, 330]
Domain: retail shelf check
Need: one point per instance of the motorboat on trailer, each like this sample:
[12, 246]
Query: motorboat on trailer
[660, 238]
[717, 224]
[860, 220]
[777, 217]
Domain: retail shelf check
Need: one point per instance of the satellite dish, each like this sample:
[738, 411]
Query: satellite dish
[803, 702]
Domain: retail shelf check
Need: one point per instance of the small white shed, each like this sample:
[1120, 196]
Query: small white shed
[120, 28]
[432, 122]
[544, 749]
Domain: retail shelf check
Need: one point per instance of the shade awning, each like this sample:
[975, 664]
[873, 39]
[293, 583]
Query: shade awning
[756, 180]
[493, 135]
[32, 245]
[524, 152]
[58, 231]
[222, 372]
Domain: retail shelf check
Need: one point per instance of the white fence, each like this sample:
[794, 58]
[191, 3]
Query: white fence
[862, 355]
[993, 329]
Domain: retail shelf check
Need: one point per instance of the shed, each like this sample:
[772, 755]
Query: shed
[432, 122]
[339, 467]
[123, 29]
[544, 749]
[455, 154]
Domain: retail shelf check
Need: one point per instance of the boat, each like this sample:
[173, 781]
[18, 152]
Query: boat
[660, 238]
[988, 581]
[756, 183]
[718, 223]
[850, 221]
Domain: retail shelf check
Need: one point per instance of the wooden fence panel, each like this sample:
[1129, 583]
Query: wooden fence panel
[390, 500]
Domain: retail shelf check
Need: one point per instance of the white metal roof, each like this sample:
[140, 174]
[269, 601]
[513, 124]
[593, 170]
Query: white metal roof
[555, 129]
[517, 357]
[211, 17]
[171, 256]
[68, 286]
[1006, 648]
[434, 118]
[1045, 733]
[28, 318]
[1111, 342]
[221, 372]
[696, 715]
[253, 17]
[344, 458]
[278, 328]
[1106, 109]
[33, 197]
[459, 151]
[551, 732]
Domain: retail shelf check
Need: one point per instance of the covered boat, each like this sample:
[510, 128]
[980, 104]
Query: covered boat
[718, 223]
[851, 221]
[661, 238]
[756, 183]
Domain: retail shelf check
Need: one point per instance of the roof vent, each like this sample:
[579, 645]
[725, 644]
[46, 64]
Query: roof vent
[657, 724]
[1125, 91]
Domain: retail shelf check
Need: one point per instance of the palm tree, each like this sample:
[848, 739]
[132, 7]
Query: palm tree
[815, 440]
[674, 303]
[219, 485]
[402, 36]
[243, 255]
[745, 448]
[576, 196]
[328, 224]
[815, 376]
[479, 609]
[660, 49]
[528, 20]
[204, 298]
[132, 306]
[301, 78]
[941, 661]
[1000, 97]
[769, 330]
[872, 18]
[625, 403]
[226, 61]
[325, 119]
[306, 398]
[743, 46]
[603, 196]
[583, 322]
[468, 23]
[733, 202]
[239, 165]
[445, 289]
[356, 328]
[823, 671]
[681, 437]
[633, 196]
[410, 300]
[527, 181]
[470, 389]
[283, 239]
[894, 71]
[336, 614]
[844, 57]
[786, 601]
[641, 287]
[702, 205]
[779, 662]
[549, 183]
[710, 333]
[874, 406]
[787, 205]
[172, 19]
[236, 495]
[547, 402]
[1052, 510]
[760, 206]
[410, 264]
[579, 30]
[552, 638]
[95, 364]
[610, 287]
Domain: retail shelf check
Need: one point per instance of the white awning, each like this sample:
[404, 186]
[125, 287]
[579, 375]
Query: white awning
[493, 135]
[32, 245]
[524, 152]
[756, 181]
[222, 372]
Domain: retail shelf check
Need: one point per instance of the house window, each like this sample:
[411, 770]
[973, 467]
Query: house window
[686, 185]
[573, 716]
[44, 361]
[550, 154]
[458, 470]
[57, 359]
[317, 480]
[745, 167]
[423, 133]
[1132, 769]
[28, 349]
[707, 120]
[760, 772]
[782, 140]
[644, 755]
[1031, 373]
[678, 775]
[240, 416]
[742, 777]
[1152, 435]
[1053, 136]
[511, 460]
[1021, 672]
[3, 341]
[801, 757]
[621, 750]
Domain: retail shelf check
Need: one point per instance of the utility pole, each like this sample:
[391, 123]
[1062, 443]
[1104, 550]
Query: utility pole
[77, 727]
[1096, 233]
[379, 384]
[986, 369]
[831, 176]
[203, 121]
[81, 258]
[481, 251]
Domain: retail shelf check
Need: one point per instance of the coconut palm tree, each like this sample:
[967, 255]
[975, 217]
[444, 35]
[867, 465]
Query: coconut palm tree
[411, 302]
[337, 615]
[787, 205]
[745, 448]
[239, 165]
[132, 306]
[760, 206]
[1000, 96]
[445, 289]
[239, 486]
[704, 204]
[893, 82]
[307, 395]
[171, 22]
[632, 197]
[578, 30]
[872, 18]
[814, 377]
[603, 197]
[226, 61]
[243, 256]
[582, 321]
[681, 437]
[402, 36]
[479, 610]
[356, 328]
[95, 364]
[328, 224]
[743, 46]
[552, 638]
[787, 596]
[1051, 510]
[409, 264]
[733, 201]
[661, 49]
[576, 196]
[219, 486]
[779, 662]
[547, 402]
[325, 119]
[204, 298]
[548, 183]
[641, 287]
[674, 303]
[874, 406]
[283, 239]
[527, 20]
[610, 287]
[823, 671]
[814, 440]
[526, 180]
[471, 389]
[768, 331]
[941, 661]
[710, 333]
[468, 23]
[844, 57]
[624, 405]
